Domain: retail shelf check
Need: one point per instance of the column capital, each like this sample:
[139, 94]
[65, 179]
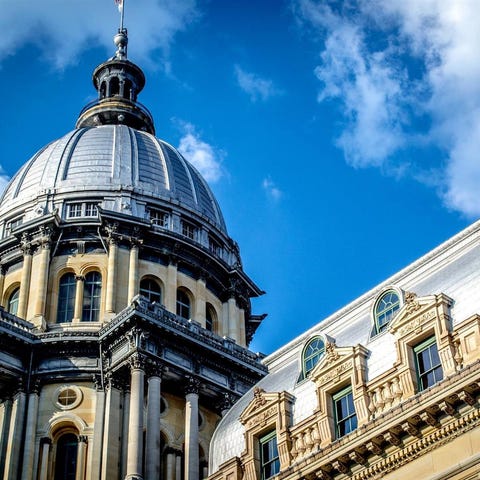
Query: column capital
[25, 244]
[97, 382]
[136, 242]
[137, 361]
[153, 369]
[82, 439]
[192, 386]
[45, 441]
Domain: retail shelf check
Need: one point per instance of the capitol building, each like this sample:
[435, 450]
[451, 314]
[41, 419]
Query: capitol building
[125, 320]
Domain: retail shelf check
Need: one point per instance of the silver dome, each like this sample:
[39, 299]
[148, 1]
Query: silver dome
[113, 158]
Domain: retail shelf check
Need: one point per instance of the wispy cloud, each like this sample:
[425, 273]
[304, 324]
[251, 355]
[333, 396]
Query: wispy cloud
[256, 87]
[203, 156]
[62, 30]
[271, 189]
[399, 67]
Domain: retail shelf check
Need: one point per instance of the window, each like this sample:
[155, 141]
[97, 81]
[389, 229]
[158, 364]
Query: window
[158, 218]
[428, 366]
[150, 289]
[12, 305]
[345, 417]
[66, 457]
[210, 317]
[183, 304]
[269, 460]
[91, 297]
[66, 298]
[78, 210]
[312, 353]
[385, 310]
[214, 246]
[189, 230]
[13, 224]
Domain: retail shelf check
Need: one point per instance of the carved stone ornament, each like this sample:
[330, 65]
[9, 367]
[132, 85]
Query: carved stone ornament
[137, 361]
[258, 399]
[331, 354]
[411, 303]
[193, 386]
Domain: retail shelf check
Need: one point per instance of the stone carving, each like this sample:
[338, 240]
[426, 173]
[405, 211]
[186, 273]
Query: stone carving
[258, 399]
[331, 354]
[411, 302]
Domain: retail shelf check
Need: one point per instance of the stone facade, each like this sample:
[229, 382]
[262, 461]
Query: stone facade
[411, 418]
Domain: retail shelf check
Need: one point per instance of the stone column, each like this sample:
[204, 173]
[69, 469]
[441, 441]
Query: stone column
[170, 466]
[45, 452]
[126, 414]
[191, 430]
[30, 431]
[135, 421]
[200, 304]
[152, 447]
[25, 279]
[41, 280]
[112, 430]
[111, 275]
[2, 281]
[133, 287]
[171, 288]
[81, 457]
[233, 319]
[15, 440]
[178, 467]
[78, 308]
[4, 431]
[95, 466]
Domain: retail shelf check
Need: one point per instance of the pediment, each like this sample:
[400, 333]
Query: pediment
[417, 311]
[261, 401]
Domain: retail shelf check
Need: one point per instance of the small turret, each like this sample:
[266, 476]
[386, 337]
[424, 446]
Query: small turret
[118, 83]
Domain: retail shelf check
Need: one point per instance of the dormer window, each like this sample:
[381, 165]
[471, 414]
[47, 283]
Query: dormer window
[312, 353]
[385, 309]
[158, 218]
[82, 209]
[189, 230]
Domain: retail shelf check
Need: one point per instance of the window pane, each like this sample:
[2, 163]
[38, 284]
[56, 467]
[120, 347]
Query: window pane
[269, 460]
[150, 289]
[13, 302]
[66, 298]
[312, 354]
[183, 304]
[385, 310]
[429, 368]
[91, 297]
[344, 410]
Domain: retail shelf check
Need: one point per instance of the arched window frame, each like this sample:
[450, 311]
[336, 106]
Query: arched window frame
[92, 296]
[67, 290]
[210, 317]
[184, 304]
[312, 352]
[12, 300]
[384, 309]
[152, 294]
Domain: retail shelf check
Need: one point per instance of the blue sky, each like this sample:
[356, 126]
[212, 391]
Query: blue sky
[340, 137]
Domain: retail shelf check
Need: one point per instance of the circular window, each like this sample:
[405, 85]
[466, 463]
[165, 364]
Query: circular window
[68, 397]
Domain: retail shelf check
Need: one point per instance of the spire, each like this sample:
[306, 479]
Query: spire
[118, 82]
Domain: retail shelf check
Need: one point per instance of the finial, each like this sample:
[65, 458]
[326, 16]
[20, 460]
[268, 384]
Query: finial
[121, 41]
[120, 5]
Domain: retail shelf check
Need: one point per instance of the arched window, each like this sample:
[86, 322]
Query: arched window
[66, 298]
[12, 304]
[92, 291]
[210, 317]
[151, 289]
[385, 309]
[114, 86]
[183, 304]
[312, 353]
[66, 457]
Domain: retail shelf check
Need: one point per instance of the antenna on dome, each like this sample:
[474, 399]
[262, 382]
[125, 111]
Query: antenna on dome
[120, 5]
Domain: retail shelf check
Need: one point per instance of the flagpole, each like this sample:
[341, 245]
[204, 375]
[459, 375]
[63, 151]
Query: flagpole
[122, 10]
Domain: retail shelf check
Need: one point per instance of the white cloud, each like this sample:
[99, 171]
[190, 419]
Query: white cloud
[205, 158]
[397, 65]
[256, 87]
[271, 189]
[62, 29]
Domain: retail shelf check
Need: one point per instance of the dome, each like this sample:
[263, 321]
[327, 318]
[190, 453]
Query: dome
[113, 161]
